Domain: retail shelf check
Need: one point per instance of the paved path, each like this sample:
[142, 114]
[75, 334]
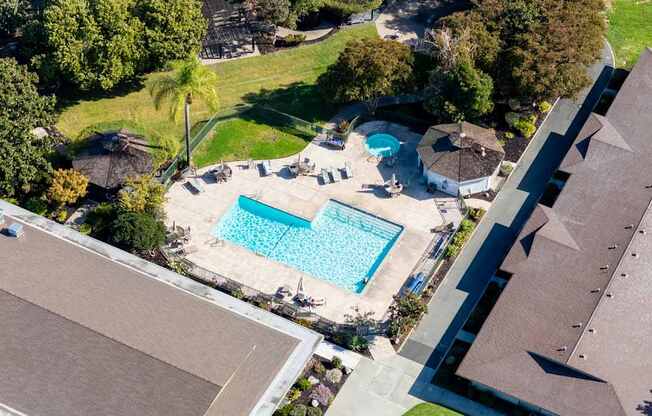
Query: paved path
[467, 278]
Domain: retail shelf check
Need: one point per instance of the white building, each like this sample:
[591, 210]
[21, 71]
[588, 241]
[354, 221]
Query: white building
[460, 158]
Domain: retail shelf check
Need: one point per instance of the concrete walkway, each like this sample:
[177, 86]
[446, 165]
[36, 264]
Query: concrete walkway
[468, 277]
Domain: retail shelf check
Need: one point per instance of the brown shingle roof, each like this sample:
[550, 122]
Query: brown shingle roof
[84, 333]
[460, 151]
[530, 345]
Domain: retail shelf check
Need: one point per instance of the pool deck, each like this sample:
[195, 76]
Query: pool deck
[415, 210]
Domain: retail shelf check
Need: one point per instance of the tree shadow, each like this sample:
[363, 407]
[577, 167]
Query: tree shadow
[69, 95]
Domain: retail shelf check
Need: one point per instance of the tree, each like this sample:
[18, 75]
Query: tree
[142, 195]
[346, 8]
[463, 93]
[93, 43]
[271, 11]
[68, 185]
[366, 70]
[23, 156]
[13, 15]
[189, 80]
[173, 29]
[135, 231]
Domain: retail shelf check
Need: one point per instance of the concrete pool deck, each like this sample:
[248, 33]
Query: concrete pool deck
[415, 210]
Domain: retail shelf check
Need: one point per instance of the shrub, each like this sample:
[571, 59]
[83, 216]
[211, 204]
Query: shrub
[544, 106]
[526, 127]
[299, 410]
[135, 231]
[101, 219]
[314, 411]
[60, 215]
[404, 313]
[305, 323]
[357, 343]
[318, 367]
[238, 293]
[336, 362]
[322, 394]
[142, 195]
[476, 213]
[293, 395]
[506, 169]
[37, 205]
[68, 185]
[292, 40]
[509, 135]
[462, 235]
[284, 411]
[85, 229]
[303, 384]
[511, 118]
[334, 376]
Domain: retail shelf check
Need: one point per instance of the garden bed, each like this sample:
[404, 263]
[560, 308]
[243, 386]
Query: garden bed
[316, 389]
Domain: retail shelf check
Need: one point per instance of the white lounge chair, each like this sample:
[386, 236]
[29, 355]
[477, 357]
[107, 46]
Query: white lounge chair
[267, 167]
[348, 170]
[194, 183]
[324, 176]
[335, 175]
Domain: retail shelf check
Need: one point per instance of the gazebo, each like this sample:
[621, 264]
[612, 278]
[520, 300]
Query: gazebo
[108, 159]
[460, 158]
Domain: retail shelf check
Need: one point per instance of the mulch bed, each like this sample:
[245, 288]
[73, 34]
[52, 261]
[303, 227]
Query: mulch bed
[514, 147]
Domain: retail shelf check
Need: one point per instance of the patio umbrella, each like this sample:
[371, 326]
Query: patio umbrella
[394, 179]
[300, 285]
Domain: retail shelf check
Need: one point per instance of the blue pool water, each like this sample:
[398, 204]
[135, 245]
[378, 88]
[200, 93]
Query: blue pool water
[382, 144]
[340, 245]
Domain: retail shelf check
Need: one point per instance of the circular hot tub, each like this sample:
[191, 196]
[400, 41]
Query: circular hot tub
[382, 145]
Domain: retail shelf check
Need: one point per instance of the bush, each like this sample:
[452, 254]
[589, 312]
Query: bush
[37, 205]
[303, 384]
[85, 229]
[506, 169]
[357, 343]
[334, 376]
[68, 185]
[509, 135]
[60, 216]
[135, 231]
[299, 410]
[292, 40]
[462, 235]
[284, 411]
[293, 395]
[142, 195]
[318, 368]
[101, 220]
[544, 106]
[476, 213]
[314, 411]
[404, 313]
[322, 394]
[336, 362]
[526, 127]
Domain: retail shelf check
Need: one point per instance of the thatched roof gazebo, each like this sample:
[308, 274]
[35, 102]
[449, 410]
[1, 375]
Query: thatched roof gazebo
[108, 159]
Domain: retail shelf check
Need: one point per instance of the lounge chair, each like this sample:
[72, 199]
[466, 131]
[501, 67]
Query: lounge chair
[348, 170]
[335, 142]
[251, 164]
[312, 302]
[194, 183]
[324, 176]
[414, 284]
[335, 175]
[267, 167]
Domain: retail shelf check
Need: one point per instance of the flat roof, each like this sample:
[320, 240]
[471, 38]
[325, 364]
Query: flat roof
[571, 331]
[90, 329]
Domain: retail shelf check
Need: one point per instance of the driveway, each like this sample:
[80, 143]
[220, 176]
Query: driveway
[470, 274]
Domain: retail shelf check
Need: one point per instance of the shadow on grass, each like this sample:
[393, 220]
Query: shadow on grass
[69, 95]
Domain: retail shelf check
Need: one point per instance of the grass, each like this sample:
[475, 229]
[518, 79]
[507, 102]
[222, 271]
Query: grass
[630, 29]
[241, 139]
[430, 409]
[284, 80]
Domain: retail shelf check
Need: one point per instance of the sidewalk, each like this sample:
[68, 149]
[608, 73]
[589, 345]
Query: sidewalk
[469, 275]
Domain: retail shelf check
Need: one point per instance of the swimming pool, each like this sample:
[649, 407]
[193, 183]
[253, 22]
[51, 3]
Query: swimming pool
[382, 144]
[341, 245]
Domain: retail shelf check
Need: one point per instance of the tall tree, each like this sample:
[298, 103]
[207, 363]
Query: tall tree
[94, 43]
[173, 29]
[366, 70]
[23, 156]
[190, 80]
[13, 15]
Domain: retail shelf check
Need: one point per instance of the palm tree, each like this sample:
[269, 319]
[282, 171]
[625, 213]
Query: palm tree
[189, 80]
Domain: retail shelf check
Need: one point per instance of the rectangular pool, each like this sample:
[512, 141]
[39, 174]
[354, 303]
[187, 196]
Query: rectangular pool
[341, 245]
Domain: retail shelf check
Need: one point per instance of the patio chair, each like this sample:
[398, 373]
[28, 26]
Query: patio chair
[324, 176]
[348, 170]
[267, 167]
[251, 164]
[194, 183]
[335, 174]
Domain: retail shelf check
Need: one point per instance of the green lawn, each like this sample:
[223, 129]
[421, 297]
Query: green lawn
[630, 29]
[429, 409]
[284, 80]
[241, 139]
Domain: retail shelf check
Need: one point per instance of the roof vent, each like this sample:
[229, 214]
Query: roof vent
[15, 230]
[641, 231]
[635, 255]
[562, 348]
[624, 275]
[483, 152]
[629, 227]
[577, 325]
[613, 246]
[610, 295]
[605, 267]
[592, 330]
[582, 356]
[648, 186]
[596, 290]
